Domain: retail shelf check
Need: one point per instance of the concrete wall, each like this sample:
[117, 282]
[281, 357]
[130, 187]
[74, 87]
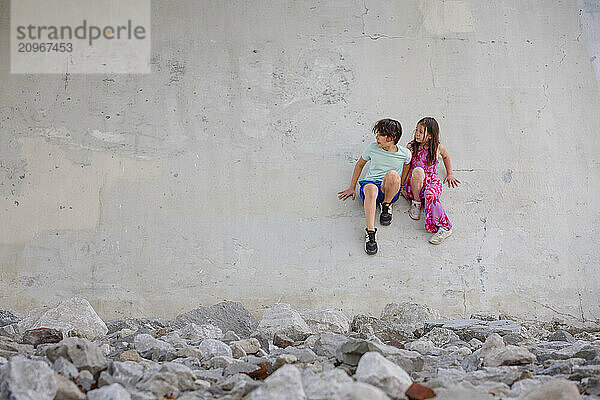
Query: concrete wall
[215, 176]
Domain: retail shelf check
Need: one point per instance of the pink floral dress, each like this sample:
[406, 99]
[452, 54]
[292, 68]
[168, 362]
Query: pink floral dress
[435, 216]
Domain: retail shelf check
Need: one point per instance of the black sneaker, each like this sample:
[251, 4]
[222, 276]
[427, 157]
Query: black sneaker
[386, 214]
[370, 243]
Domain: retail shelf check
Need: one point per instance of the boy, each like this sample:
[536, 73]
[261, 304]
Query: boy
[384, 180]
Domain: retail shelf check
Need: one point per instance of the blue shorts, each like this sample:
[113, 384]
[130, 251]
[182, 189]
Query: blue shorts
[380, 195]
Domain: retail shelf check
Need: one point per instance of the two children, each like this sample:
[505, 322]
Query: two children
[411, 171]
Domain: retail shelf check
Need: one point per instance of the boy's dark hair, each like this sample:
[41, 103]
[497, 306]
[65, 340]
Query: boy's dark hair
[388, 127]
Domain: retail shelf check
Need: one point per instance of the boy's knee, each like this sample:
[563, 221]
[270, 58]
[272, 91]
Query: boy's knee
[370, 191]
[392, 176]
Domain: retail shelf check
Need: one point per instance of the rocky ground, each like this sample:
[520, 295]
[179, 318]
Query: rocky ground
[223, 352]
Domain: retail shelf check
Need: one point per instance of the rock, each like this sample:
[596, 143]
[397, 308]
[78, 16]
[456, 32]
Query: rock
[130, 355]
[327, 344]
[229, 336]
[110, 392]
[169, 381]
[468, 329]
[409, 315]
[283, 359]
[237, 351]
[386, 331]
[375, 370]
[283, 318]
[326, 320]
[303, 355]
[285, 383]
[8, 317]
[475, 343]
[422, 346]
[196, 333]
[462, 391]
[9, 348]
[65, 367]
[127, 374]
[209, 374]
[85, 381]
[507, 375]
[250, 346]
[360, 391]
[352, 350]
[67, 389]
[153, 349]
[591, 385]
[324, 385]
[558, 389]
[410, 361]
[417, 391]
[508, 355]
[281, 340]
[513, 338]
[240, 367]
[227, 316]
[440, 336]
[39, 336]
[561, 336]
[520, 388]
[23, 379]
[212, 348]
[445, 377]
[136, 324]
[84, 354]
[74, 317]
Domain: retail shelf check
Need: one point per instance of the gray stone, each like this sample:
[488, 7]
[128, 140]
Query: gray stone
[23, 379]
[440, 336]
[227, 315]
[507, 375]
[110, 392]
[375, 370]
[445, 377]
[171, 378]
[136, 324]
[283, 359]
[74, 317]
[10, 348]
[410, 316]
[209, 374]
[591, 385]
[324, 385]
[468, 329]
[327, 344]
[285, 383]
[67, 389]
[236, 368]
[237, 351]
[410, 361]
[281, 340]
[65, 367]
[326, 320]
[126, 373]
[420, 345]
[561, 336]
[229, 336]
[558, 389]
[360, 391]
[283, 318]
[195, 333]
[304, 355]
[213, 347]
[250, 346]
[366, 327]
[154, 349]
[462, 391]
[352, 350]
[85, 355]
[508, 355]
[8, 317]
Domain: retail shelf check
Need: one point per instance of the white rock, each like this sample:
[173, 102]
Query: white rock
[324, 385]
[24, 379]
[440, 336]
[557, 389]
[196, 333]
[285, 383]
[67, 389]
[360, 391]
[110, 392]
[85, 355]
[283, 318]
[410, 315]
[462, 391]
[213, 347]
[74, 315]
[250, 346]
[375, 370]
[420, 345]
[326, 320]
[152, 348]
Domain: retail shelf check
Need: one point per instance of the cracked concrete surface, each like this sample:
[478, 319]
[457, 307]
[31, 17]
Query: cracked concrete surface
[215, 176]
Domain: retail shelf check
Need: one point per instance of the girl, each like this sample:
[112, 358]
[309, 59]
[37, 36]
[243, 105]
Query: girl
[423, 183]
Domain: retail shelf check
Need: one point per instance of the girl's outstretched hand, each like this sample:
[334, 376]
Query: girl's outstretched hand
[344, 194]
[452, 181]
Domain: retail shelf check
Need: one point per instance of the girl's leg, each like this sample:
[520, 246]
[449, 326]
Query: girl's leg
[416, 182]
[435, 216]
[371, 191]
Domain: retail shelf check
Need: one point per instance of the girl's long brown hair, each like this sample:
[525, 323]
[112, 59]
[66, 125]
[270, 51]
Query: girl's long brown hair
[431, 126]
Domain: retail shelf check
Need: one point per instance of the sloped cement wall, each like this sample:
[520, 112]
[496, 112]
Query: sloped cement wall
[215, 176]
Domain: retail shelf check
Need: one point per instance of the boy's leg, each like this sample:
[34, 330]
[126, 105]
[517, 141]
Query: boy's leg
[390, 186]
[371, 191]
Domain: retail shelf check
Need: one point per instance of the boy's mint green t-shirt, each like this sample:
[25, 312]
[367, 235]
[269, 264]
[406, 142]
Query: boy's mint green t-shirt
[382, 161]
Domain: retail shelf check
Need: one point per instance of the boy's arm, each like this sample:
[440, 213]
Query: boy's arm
[344, 194]
[452, 181]
[403, 178]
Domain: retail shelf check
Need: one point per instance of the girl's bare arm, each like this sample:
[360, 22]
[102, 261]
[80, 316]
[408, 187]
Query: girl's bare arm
[452, 181]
